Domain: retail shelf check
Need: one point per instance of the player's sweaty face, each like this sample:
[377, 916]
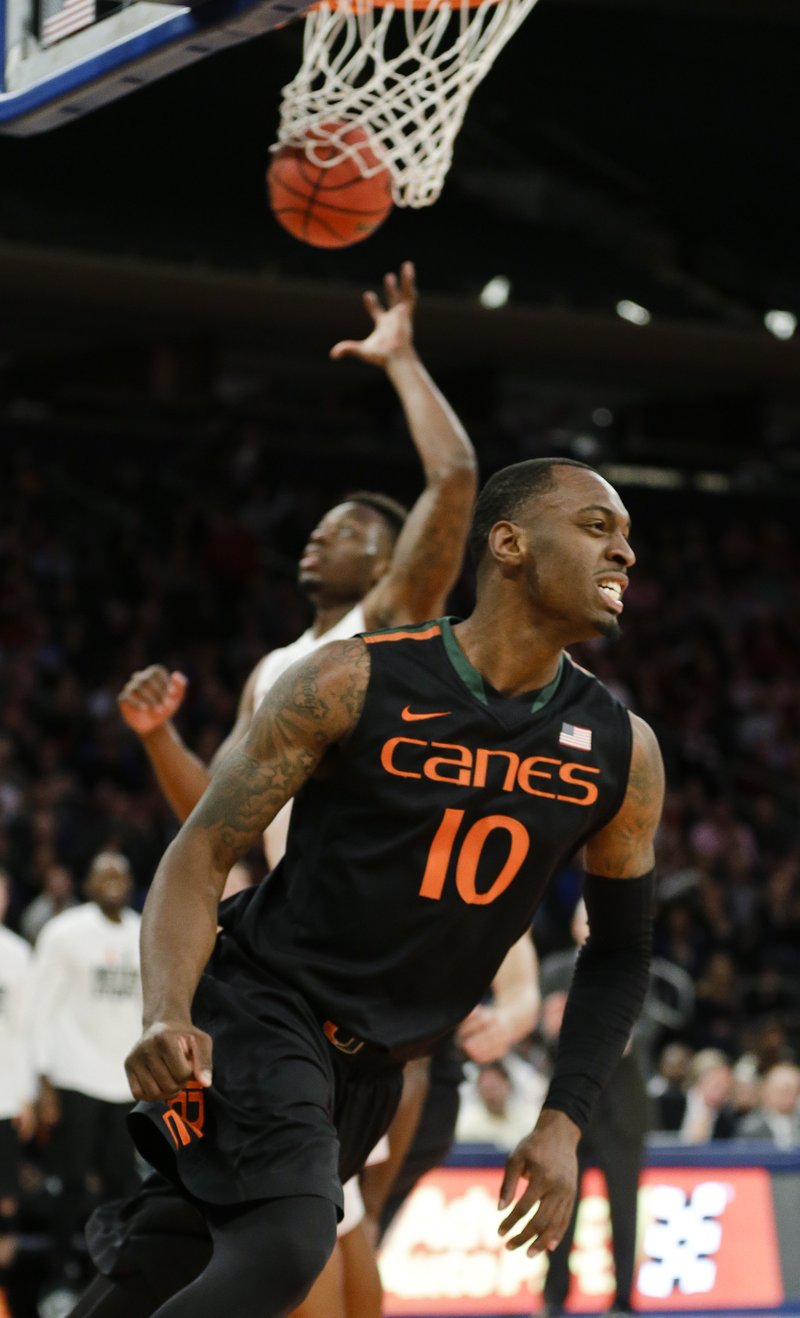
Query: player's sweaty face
[579, 552]
[345, 552]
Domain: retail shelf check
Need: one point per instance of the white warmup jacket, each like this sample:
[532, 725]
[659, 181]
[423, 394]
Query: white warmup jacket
[87, 1001]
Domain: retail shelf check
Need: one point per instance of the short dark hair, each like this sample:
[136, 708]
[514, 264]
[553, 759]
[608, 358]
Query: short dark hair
[392, 512]
[506, 493]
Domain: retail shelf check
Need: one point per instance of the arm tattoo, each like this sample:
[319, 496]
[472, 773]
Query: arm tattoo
[353, 691]
[624, 847]
[313, 705]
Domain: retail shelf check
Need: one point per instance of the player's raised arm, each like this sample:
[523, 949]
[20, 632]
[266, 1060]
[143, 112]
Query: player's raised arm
[429, 551]
[310, 708]
[605, 999]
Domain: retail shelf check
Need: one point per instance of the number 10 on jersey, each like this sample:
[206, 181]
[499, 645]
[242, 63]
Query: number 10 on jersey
[468, 849]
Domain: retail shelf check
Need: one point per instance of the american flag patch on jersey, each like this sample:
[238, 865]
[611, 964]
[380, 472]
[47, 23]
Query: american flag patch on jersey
[580, 738]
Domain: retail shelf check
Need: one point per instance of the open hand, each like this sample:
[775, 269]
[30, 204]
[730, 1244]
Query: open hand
[393, 323]
[547, 1160]
[169, 1054]
[150, 697]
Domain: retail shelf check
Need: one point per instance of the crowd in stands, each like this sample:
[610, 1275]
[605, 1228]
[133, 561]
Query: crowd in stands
[110, 562]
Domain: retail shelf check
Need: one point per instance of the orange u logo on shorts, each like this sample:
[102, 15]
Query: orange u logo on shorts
[349, 1046]
[186, 1114]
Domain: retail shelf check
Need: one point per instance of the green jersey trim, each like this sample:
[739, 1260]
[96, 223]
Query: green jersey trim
[473, 680]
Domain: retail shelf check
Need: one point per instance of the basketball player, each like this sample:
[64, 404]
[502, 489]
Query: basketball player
[442, 774]
[365, 566]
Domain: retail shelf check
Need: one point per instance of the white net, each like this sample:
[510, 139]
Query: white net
[403, 72]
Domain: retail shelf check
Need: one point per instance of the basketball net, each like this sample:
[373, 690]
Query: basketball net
[412, 102]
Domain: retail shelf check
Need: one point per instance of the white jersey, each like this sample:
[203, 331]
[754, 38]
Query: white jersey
[87, 1001]
[277, 661]
[17, 1082]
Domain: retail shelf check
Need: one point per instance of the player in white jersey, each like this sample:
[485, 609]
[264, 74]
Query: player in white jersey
[366, 565]
[87, 1003]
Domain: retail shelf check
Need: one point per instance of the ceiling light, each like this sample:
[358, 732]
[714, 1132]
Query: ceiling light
[657, 478]
[781, 323]
[633, 312]
[495, 293]
[603, 416]
[585, 447]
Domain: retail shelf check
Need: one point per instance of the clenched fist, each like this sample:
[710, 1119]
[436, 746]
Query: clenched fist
[169, 1054]
[150, 697]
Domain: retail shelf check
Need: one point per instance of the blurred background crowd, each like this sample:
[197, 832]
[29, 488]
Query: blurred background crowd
[185, 555]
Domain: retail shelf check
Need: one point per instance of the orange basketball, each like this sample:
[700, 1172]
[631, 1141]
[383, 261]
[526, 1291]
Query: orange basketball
[334, 206]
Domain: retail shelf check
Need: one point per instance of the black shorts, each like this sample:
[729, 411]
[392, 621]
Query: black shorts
[288, 1112]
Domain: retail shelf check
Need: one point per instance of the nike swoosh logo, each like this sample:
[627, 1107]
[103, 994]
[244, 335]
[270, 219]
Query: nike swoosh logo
[408, 717]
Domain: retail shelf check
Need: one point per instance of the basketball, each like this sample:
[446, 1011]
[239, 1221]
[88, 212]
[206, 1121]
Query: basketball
[332, 206]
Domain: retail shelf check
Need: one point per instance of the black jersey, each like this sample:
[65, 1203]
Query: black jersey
[412, 869]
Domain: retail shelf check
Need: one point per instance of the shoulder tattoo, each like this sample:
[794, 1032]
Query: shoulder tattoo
[312, 706]
[624, 848]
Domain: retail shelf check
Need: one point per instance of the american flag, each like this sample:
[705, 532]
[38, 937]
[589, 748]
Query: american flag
[580, 738]
[60, 18]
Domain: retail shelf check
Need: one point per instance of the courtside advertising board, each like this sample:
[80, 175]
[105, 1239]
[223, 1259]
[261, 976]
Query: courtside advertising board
[717, 1234]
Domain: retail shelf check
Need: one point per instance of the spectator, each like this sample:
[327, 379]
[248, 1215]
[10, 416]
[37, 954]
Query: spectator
[500, 1102]
[667, 1090]
[717, 1008]
[746, 1090]
[680, 938]
[86, 1017]
[777, 1117]
[770, 1044]
[57, 895]
[773, 994]
[708, 1114]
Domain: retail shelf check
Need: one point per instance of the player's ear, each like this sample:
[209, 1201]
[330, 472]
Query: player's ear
[507, 546]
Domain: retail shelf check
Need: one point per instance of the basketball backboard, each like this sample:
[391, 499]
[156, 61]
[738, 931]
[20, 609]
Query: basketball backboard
[61, 58]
